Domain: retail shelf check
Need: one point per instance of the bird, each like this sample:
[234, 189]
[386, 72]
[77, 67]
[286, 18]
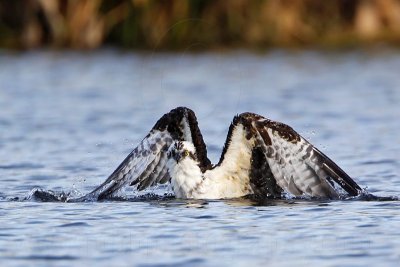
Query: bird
[261, 158]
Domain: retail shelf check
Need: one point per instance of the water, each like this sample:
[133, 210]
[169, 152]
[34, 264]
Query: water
[68, 119]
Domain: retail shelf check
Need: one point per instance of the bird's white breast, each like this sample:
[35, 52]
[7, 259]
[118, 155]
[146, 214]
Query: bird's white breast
[231, 178]
[228, 180]
[185, 177]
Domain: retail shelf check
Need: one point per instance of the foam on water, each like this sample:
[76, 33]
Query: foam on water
[41, 195]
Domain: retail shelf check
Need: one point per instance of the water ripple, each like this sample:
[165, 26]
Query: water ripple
[48, 257]
[74, 224]
[22, 166]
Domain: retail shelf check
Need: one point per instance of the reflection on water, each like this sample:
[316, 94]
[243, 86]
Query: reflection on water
[68, 119]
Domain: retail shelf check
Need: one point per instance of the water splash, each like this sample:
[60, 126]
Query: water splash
[74, 196]
[42, 195]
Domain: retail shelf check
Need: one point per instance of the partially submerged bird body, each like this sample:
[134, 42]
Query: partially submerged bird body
[260, 157]
[188, 181]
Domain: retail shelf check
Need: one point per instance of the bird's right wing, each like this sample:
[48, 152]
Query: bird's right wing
[145, 166]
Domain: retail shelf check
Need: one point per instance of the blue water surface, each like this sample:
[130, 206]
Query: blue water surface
[67, 119]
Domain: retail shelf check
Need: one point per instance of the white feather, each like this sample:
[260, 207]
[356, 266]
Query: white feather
[186, 130]
[228, 180]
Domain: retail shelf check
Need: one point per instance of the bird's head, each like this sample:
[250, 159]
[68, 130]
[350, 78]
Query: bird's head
[182, 150]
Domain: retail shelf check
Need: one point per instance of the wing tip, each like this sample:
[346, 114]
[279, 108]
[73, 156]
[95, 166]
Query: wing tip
[339, 175]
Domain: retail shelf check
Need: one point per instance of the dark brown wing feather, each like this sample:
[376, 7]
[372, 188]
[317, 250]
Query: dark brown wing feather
[262, 180]
[290, 162]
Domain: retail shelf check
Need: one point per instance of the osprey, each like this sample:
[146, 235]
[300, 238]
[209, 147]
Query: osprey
[260, 157]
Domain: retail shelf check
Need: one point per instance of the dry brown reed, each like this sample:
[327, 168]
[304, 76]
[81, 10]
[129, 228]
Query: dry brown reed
[202, 24]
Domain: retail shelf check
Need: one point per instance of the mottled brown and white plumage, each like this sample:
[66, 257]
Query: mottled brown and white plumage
[261, 157]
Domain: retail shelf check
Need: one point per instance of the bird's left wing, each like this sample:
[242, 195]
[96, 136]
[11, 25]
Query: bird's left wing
[296, 165]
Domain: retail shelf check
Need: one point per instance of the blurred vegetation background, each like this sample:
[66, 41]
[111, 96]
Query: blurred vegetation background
[197, 24]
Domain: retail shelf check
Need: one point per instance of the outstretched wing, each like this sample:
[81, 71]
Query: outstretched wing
[145, 166]
[297, 166]
[276, 158]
